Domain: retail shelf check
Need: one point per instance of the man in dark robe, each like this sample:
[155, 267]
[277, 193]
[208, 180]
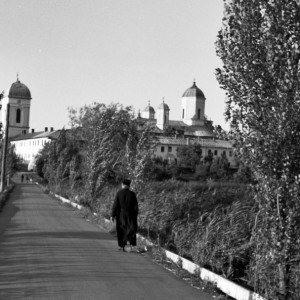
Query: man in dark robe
[125, 211]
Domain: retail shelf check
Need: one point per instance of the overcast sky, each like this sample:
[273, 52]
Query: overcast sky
[75, 52]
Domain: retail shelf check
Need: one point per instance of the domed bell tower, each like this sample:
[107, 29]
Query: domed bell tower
[193, 106]
[19, 98]
[163, 115]
[148, 112]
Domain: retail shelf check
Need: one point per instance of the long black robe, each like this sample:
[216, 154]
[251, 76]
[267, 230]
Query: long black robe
[125, 211]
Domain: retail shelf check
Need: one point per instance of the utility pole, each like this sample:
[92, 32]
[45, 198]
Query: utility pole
[4, 151]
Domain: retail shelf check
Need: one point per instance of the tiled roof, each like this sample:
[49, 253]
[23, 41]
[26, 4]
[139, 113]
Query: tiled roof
[213, 143]
[176, 123]
[203, 132]
[37, 135]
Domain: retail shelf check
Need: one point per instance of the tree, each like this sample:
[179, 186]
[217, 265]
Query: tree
[116, 145]
[105, 129]
[140, 147]
[41, 160]
[174, 131]
[219, 166]
[220, 133]
[190, 155]
[259, 47]
[12, 161]
[61, 161]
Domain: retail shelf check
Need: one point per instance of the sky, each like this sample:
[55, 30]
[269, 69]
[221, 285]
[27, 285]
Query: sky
[71, 53]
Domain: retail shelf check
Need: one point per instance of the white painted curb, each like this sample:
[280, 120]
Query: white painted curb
[75, 205]
[226, 286]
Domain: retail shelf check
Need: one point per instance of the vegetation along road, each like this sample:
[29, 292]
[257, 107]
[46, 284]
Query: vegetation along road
[49, 252]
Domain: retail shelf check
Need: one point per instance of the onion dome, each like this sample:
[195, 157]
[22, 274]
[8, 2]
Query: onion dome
[194, 91]
[164, 106]
[18, 90]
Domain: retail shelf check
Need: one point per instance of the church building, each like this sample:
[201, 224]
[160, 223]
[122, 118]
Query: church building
[27, 144]
[192, 128]
[193, 121]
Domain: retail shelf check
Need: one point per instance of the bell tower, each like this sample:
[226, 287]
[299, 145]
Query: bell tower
[163, 115]
[19, 98]
[193, 106]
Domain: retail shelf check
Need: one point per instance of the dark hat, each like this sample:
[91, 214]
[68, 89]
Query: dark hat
[126, 182]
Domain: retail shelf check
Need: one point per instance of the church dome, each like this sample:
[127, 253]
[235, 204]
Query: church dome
[149, 109]
[194, 91]
[164, 106]
[18, 90]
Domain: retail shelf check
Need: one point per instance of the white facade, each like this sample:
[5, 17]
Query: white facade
[192, 110]
[27, 146]
[166, 148]
[27, 149]
[163, 112]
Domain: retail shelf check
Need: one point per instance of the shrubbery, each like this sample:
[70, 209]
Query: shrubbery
[210, 224]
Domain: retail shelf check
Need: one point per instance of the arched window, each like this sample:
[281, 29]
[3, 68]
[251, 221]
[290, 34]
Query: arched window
[18, 116]
[199, 113]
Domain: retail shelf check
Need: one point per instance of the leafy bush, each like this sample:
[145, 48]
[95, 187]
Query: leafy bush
[208, 223]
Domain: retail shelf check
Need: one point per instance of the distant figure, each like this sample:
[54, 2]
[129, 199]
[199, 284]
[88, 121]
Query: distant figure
[125, 210]
[27, 178]
[22, 178]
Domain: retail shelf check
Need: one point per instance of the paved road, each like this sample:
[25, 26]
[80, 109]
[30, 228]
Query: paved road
[49, 252]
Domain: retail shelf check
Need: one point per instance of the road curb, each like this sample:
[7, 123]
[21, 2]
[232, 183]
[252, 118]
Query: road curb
[226, 286]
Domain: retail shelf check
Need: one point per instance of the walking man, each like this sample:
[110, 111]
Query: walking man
[125, 211]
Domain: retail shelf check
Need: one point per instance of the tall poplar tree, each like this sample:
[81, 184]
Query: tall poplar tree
[259, 45]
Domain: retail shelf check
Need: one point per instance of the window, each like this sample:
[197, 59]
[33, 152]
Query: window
[162, 149]
[216, 152]
[199, 113]
[183, 114]
[230, 153]
[18, 116]
[169, 149]
[209, 152]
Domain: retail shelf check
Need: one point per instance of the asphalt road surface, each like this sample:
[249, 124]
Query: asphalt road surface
[49, 252]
